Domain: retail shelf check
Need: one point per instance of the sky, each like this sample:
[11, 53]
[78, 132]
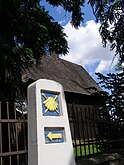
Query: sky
[85, 44]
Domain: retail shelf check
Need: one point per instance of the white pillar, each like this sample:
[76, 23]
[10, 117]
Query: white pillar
[49, 137]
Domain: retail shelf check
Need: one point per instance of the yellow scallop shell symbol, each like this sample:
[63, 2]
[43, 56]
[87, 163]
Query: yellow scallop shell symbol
[50, 104]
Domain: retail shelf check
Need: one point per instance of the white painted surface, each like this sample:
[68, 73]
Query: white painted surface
[40, 153]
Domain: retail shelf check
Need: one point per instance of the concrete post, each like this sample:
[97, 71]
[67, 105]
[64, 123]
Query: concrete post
[49, 138]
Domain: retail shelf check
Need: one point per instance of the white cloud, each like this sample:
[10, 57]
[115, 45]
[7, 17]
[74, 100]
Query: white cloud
[103, 66]
[86, 47]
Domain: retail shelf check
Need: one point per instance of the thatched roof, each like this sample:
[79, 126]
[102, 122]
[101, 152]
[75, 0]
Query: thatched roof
[73, 77]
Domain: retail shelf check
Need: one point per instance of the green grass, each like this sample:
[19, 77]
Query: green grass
[86, 150]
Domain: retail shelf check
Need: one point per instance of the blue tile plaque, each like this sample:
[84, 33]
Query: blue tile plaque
[50, 104]
[54, 135]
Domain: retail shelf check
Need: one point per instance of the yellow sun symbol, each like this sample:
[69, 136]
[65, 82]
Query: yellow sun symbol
[50, 104]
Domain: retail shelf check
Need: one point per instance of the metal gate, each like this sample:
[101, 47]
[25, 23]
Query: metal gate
[13, 134]
[95, 130]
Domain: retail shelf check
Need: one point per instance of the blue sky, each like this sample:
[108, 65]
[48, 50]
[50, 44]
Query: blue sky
[85, 44]
[61, 16]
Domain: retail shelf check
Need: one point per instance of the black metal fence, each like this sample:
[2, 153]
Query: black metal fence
[13, 134]
[95, 130]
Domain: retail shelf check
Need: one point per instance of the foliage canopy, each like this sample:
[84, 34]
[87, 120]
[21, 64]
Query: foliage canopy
[114, 83]
[27, 32]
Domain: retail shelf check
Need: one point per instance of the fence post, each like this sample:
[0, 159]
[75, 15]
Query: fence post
[0, 135]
